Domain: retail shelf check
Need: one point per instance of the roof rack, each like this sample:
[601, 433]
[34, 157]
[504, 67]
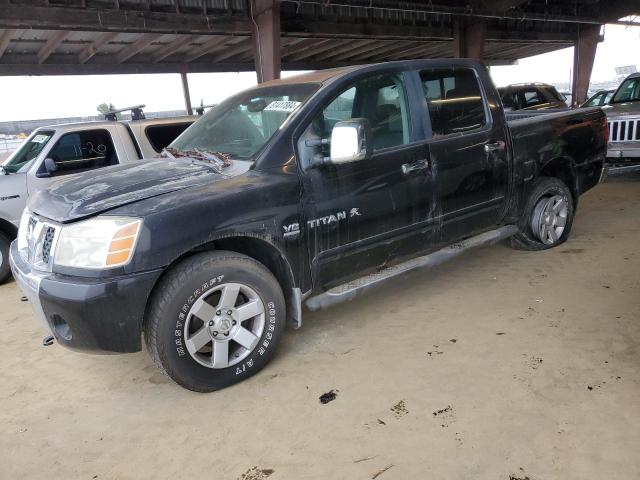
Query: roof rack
[200, 109]
[136, 113]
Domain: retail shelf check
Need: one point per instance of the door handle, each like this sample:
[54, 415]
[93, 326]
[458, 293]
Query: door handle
[494, 146]
[415, 166]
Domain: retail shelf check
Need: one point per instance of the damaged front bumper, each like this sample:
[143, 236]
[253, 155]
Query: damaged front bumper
[87, 314]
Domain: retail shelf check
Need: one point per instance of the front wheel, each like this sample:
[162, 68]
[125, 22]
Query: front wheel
[215, 319]
[548, 216]
[5, 270]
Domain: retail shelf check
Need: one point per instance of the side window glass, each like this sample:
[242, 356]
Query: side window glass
[509, 100]
[381, 100]
[595, 100]
[341, 108]
[607, 98]
[161, 136]
[85, 150]
[454, 100]
[531, 98]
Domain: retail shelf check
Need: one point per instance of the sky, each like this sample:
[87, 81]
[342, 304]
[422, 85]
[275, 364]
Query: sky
[23, 98]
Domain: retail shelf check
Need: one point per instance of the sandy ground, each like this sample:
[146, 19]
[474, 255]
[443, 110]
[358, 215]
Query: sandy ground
[501, 363]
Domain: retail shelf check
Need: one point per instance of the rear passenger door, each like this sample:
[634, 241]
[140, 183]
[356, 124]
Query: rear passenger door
[468, 151]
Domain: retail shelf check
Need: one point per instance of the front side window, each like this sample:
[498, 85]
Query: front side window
[595, 101]
[242, 125]
[381, 100]
[454, 100]
[84, 150]
[509, 99]
[629, 91]
[21, 159]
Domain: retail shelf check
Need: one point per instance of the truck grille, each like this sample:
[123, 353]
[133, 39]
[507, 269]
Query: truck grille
[627, 130]
[40, 240]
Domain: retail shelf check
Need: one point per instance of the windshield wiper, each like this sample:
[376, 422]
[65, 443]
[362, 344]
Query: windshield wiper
[218, 160]
[3, 171]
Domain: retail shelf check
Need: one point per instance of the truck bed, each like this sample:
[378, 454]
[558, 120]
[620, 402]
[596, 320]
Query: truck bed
[575, 138]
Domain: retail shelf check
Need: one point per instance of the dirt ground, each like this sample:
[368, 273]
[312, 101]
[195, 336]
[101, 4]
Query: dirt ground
[500, 365]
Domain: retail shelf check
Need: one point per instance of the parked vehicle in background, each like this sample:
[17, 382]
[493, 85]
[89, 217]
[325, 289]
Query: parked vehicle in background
[318, 188]
[531, 96]
[58, 151]
[623, 115]
[567, 96]
[599, 99]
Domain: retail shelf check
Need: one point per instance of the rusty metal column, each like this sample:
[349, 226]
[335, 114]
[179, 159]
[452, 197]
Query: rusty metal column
[584, 54]
[469, 39]
[187, 95]
[265, 18]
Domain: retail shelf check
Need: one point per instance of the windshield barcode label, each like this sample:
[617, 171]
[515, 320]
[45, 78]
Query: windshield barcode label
[282, 106]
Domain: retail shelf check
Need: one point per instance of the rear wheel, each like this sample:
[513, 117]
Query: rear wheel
[548, 216]
[5, 270]
[215, 319]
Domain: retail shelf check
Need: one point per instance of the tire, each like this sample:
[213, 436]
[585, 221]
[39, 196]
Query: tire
[5, 269]
[186, 334]
[540, 224]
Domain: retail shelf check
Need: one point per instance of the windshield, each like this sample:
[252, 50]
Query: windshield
[242, 125]
[21, 159]
[629, 91]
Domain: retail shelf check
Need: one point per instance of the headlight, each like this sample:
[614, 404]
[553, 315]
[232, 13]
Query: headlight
[102, 242]
[22, 231]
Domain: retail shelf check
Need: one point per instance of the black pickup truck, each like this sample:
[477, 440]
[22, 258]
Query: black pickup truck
[311, 189]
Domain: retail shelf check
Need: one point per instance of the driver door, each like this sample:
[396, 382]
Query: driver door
[75, 152]
[364, 215]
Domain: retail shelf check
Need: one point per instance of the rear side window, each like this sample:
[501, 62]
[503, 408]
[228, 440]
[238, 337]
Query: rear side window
[160, 136]
[454, 99]
[85, 150]
[532, 98]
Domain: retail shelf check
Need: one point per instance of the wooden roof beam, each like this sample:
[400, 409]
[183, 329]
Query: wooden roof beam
[320, 46]
[5, 38]
[54, 41]
[205, 48]
[349, 46]
[90, 50]
[370, 50]
[136, 47]
[171, 48]
[233, 51]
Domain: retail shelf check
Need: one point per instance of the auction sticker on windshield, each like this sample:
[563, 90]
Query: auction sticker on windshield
[40, 138]
[282, 106]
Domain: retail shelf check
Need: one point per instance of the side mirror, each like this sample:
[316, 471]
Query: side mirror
[50, 165]
[350, 141]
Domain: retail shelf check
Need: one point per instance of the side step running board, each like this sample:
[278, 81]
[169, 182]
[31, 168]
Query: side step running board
[350, 290]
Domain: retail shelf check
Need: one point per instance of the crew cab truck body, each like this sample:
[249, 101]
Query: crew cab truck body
[58, 151]
[314, 188]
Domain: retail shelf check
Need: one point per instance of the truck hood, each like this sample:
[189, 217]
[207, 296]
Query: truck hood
[616, 110]
[91, 193]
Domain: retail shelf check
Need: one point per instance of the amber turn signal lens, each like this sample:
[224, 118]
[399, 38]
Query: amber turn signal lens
[122, 244]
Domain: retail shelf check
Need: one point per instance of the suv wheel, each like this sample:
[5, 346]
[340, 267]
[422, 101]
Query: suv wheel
[5, 270]
[548, 216]
[214, 320]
